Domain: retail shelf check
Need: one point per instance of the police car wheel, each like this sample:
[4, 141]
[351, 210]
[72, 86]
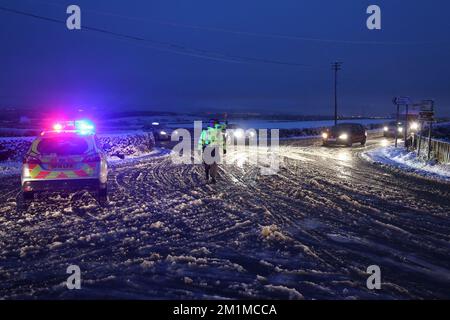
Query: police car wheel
[103, 191]
[28, 195]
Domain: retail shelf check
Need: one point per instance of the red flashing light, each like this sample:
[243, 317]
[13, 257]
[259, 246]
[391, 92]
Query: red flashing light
[83, 127]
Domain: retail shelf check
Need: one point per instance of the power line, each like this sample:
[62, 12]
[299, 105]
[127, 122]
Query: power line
[263, 35]
[167, 46]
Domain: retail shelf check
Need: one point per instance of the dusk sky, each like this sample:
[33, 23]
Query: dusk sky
[193, 55]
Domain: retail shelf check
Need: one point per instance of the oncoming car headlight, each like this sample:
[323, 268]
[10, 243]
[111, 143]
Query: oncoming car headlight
[414, 126]
[325, 135]
[386, 128]
[400, 129]
[343, 136]
[163, 133]
[238, 133]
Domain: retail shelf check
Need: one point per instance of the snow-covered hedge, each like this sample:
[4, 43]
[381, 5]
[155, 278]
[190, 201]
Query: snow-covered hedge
[13, 148]
[127, 144]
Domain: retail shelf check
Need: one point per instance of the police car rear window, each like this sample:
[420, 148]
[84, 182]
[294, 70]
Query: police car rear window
[63, 145]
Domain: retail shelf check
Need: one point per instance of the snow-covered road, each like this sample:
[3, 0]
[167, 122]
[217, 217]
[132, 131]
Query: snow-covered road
[309, 231]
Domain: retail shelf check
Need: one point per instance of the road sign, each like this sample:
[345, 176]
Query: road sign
[426, 116]
[403, 101]
[426, 110]
[427, 106]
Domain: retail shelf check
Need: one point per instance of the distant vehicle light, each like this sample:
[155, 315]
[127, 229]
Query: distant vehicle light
[386, 128]
[400, 129]
[163, 133]
[325, 135]
[343, 136]
[414, 126]
[238, 133]
[155, 123]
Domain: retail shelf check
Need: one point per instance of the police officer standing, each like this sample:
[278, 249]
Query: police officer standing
[209, 144]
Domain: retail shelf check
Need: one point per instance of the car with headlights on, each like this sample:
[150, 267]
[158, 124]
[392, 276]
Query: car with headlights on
[345, 134]
[65, 158]
[233, 131]
[390, 128]
[161, 132]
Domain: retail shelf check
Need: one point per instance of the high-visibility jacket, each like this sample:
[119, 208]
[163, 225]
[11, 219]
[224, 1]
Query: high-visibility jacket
[212, 137]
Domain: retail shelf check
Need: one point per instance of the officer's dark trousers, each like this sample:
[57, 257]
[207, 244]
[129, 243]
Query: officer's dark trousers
[212, 168]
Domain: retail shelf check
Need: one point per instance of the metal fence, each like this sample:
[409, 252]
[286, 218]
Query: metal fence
[440, 150]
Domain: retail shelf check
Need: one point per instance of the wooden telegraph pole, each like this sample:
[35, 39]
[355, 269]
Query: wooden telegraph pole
[336, 66]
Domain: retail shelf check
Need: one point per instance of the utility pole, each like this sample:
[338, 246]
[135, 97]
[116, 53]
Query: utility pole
[336, 66]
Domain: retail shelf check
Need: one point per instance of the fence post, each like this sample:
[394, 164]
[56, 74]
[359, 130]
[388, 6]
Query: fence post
[429, 140]
[420, 145]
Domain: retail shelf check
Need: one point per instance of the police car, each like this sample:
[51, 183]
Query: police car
[67, 157]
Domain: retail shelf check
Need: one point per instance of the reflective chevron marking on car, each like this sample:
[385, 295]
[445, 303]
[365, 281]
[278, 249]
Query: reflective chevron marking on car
[36, 172]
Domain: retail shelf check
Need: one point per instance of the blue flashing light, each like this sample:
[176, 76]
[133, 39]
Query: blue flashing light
[84, 127]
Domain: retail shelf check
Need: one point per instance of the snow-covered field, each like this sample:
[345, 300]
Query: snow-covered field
[408, 160]
[277, 124]
[308, 232]
[187, 121]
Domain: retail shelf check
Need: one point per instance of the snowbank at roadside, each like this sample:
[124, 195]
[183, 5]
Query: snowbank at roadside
[408, 161]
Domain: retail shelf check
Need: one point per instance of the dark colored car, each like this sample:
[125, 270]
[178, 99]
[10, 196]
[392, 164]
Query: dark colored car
[390, 128]
[345, 134]
[161, 132]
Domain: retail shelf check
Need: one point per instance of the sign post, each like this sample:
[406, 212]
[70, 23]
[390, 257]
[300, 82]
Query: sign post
[426, 114]
[429, 139]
